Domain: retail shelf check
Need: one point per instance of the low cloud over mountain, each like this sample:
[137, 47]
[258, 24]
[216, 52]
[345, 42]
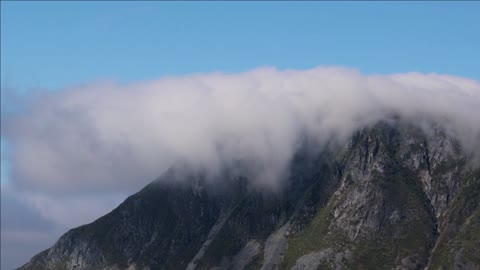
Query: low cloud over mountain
[114, 137]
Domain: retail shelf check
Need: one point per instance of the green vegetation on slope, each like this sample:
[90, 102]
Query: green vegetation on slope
[459, 242]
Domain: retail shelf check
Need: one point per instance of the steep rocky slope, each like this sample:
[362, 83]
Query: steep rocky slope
[394, 197]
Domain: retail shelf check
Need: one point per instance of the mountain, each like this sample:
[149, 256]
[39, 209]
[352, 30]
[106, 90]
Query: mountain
[393, 197]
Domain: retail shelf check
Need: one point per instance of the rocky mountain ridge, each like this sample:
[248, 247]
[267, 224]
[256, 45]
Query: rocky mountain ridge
[393, 197]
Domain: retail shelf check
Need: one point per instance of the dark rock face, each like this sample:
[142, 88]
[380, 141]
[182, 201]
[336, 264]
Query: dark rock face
[392, 198]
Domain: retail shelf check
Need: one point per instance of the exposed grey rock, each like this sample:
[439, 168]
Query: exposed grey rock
[245, 256]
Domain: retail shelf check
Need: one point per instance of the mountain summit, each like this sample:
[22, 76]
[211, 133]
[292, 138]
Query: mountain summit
[393, 197]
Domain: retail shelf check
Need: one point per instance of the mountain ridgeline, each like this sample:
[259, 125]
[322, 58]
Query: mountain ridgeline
[393, 197]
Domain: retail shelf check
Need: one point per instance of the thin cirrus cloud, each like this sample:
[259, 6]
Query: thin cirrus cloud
[108, 137]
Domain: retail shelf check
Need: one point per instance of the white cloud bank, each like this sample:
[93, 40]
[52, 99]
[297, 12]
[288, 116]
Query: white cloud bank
[119, 137]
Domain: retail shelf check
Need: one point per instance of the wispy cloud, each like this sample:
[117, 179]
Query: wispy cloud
[112, 137]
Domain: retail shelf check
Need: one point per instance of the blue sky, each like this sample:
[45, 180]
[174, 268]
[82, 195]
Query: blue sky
[57, 44]
[54, 45]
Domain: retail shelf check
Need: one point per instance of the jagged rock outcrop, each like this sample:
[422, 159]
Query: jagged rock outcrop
[394, 197]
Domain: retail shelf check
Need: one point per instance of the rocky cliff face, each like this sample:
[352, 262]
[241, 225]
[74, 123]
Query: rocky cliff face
[394, 197]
